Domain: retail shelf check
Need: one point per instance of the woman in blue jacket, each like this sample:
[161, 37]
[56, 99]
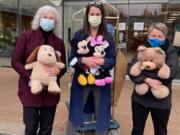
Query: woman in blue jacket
[94, 26]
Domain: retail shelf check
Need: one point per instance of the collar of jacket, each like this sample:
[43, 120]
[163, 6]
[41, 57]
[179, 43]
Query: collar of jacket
[40, 39]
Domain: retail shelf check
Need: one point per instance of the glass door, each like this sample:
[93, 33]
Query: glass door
[15, 16]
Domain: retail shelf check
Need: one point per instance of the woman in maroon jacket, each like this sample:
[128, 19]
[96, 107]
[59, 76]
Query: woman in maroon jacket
[38, 110]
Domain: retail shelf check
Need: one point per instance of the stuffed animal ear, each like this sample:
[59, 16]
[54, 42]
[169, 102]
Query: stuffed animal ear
[141, 48]
[58, 55]
[33, 56]
[159, 50]
[82, 43]
[96, 48]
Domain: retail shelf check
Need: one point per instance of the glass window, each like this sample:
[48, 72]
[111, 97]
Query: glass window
[15, 16]
[69, 10]
[71, 7]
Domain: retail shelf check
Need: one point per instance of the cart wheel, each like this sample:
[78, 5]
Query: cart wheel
[114, 132]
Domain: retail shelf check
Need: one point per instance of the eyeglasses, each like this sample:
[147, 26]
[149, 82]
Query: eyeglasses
[98, 3]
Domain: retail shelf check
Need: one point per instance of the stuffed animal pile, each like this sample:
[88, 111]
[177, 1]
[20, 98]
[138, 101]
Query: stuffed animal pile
[151, 59]
[40, 58]
[92, 47]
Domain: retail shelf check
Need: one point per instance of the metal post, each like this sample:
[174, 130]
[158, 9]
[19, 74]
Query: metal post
[127, 26]
[146, 15]
[18, 27]
[63, 19]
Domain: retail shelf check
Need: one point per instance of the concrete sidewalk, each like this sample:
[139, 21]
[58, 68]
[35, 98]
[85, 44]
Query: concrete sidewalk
[11, 109]
[13, 128]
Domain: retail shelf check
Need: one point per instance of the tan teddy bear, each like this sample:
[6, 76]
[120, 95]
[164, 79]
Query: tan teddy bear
[43, 56]
[151, 59]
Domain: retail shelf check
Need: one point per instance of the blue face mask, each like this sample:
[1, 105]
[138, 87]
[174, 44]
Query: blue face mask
[47, 24]
[154, 42]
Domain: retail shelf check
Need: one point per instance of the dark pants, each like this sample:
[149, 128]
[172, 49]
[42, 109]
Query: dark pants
[38, 119]
[159, 117]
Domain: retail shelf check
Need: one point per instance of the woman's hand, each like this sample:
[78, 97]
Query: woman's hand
[90, 62]
[99, 61]
[153, 83]
[51, 70]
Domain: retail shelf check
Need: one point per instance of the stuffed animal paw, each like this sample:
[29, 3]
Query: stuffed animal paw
[141, 89]
[36, 87]
[108, 79]
[161, 92]
[136, 69]
[53, 88]
[82, 80]
[100, 82]
[91, 79]
[164, 71]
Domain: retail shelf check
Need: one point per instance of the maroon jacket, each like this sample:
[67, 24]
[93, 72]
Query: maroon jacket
[25, 44]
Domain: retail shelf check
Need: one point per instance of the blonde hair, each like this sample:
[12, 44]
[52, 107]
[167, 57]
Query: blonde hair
[44, 9]
[160, 26]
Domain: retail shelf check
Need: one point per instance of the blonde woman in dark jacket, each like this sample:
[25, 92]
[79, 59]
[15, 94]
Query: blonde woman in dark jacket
[142, 105]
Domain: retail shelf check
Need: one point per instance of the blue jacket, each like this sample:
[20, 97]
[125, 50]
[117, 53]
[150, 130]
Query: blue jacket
[76, 99]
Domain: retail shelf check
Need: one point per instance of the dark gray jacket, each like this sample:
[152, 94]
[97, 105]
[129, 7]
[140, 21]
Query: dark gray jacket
[148, 100]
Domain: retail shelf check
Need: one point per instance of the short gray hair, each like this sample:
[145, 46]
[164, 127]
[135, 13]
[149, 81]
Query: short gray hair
[42, 10]
[160, 26]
